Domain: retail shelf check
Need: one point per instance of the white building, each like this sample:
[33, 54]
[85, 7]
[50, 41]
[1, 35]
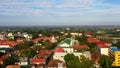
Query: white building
[4, 46]
[104, 50]
[60, 55]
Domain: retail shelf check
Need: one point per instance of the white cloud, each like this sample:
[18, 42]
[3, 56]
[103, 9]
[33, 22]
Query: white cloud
[84, 8]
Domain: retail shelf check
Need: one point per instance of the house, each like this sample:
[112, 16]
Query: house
[68, 42]
[57, 64]
[76, 34]
[20, 40]
[93, 40]
[107, 43]
[11, 43]
[88, 34]
[67, 45]
[59, 50]
[103, 49]
[43, 54]
[60, 55]
[87, 54]
[23, 61]
[39, 61]
[52, 39]
[10, 35]
[5, 47]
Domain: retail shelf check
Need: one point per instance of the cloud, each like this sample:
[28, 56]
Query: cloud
[71, 9]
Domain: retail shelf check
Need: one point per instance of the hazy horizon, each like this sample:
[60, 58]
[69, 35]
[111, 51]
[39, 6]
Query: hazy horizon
[59, 12]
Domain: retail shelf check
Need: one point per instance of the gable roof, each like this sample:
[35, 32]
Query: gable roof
[101, 45]
[93, 40]
[67, 41]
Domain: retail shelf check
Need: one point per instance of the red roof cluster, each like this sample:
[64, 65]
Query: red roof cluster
[43, 38]
[8, 42]
[59, 50]
[92, 40]
[76, 47]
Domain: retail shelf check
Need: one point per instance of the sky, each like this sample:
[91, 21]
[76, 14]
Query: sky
[59, 12]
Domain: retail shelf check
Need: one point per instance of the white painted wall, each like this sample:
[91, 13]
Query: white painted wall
[104, 51]
[68, 50]
[64, 45]
[60, 55]
[4, 46]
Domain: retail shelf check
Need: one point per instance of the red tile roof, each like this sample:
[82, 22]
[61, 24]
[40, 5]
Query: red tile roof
[107, 43]
[92, 40]
[59, 50]
[38, 39]
[20, 40]
[40, 60]
[11, 43]
[76, 47]
[44, 53]
[43, 38]
[101, 45]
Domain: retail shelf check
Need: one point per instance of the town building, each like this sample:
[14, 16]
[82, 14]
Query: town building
[102, 49]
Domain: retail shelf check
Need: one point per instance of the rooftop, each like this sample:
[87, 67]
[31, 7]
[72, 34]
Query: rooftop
[114, 49]
[80, 46]
[93, 39]
[59, 50]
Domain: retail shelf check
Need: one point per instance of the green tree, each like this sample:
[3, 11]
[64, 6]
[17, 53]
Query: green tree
[117, 44]
[105, 62]
[74, 62]
[28, 53]
[106, 39]
[86, 62]
[9, 61]
[92, 45]
[82, 39]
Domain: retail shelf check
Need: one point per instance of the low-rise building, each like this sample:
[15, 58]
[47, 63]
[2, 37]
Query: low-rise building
[103, 49]
[60, 55]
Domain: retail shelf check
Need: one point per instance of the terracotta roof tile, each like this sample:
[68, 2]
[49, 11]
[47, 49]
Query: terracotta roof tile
[59, 50]
[76, 47]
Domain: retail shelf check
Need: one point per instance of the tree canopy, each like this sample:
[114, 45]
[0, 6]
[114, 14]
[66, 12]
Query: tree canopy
[74, 62]
[105, 62]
